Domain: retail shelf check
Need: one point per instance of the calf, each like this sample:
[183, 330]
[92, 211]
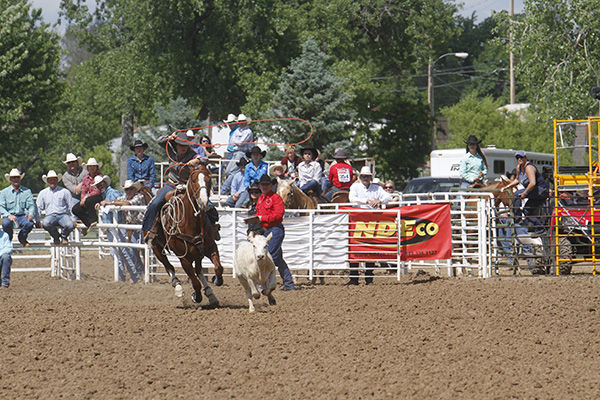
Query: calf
[254, 265]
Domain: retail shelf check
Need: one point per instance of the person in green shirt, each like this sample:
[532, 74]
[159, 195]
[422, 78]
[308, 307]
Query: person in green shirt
[17, 207]
[473, 166]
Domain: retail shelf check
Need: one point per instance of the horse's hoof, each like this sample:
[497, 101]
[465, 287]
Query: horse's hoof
[197, 297]
[178, 290]
[217, 280]
[272, 301]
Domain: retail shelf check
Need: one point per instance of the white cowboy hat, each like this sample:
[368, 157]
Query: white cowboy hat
[98, 179]
[51, 174]
[366, 171]
[14, 172]
[190, 133]
[242, 118]
[130, 184]
[275, 166]
[92, 161]
[71, 157]
[230, 118]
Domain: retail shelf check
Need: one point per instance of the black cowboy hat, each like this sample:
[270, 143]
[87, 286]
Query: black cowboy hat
[472, 139]
[138, 143]
[314, 152]
[265, 179]
[253, 186]
[241, 162]
[256, 149]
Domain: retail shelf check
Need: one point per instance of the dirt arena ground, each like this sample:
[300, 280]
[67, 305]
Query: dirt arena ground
[526, 337]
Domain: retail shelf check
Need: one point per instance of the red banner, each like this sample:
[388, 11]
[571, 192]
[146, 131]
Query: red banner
[425, 233]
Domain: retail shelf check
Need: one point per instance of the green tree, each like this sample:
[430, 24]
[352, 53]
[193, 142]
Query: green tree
[30, 88]
[311, 91]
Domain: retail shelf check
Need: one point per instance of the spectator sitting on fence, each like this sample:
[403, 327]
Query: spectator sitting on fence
[254, 193]
[236, 184]
[73, 177]
[123, 255]
[291, 161]
[390, 188]
[241, 140]
[270, 210]
[232, 125]
[17, 207]
[309, 172]
[6, 248]
[140, 167]
[276, 171]
[254, 170]
[55, 200]
[340, 174]
[366, 195]
[90, 196]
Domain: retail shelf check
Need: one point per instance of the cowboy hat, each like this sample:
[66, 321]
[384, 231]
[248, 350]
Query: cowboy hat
[472, 139]
[256, 149]
[230, 118]
[314, 152]
[243, 161]
[364, 171]
[14, 172]
[98, 179]
[264, 179]
[130, 184]
[243, 118]
[138, 143]
[51, 174]
[92, 161]
[253, 186]
[273, 167]
[184, 138]
[71, 157]
[340, 154]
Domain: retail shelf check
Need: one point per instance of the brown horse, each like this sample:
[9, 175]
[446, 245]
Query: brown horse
[184, 230]
[293, 197]
[341, 196]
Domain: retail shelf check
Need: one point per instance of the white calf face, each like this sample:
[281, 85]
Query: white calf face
[260, 245]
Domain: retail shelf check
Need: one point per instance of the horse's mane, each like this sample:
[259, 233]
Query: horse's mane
[299, 199]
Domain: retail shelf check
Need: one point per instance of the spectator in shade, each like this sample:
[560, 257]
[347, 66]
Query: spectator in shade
[231, 122]
[17, 207]
[55, 200]
[73, 177]
[254, 170]
[309, 172]
[6, 248]
[236, 184]
[276, 171]
[90, 196]
[241, 140]
[366, 195]
[291, 161]
[340, 174]
[254, 193]
[140, 167]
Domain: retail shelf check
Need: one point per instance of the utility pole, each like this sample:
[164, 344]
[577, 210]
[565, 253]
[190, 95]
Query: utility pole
[511, 56]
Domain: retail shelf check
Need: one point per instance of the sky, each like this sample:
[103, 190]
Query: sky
[482, 8]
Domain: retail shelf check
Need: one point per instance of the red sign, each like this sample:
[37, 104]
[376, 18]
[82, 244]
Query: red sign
[425, 233]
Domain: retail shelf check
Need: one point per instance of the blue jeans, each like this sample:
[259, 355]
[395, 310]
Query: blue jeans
[244, 197]
[311, 185]
[277, 254]
[332, 191]
[5, 263]
[226, 186]
[53, 221]
[232, 166]
[22, 222]
[155, 205]
[325, 184]
[124, 256]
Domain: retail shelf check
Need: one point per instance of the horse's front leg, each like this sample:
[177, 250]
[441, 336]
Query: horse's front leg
[212, 299]
[216, 260]
[158, 247]
[189, 270]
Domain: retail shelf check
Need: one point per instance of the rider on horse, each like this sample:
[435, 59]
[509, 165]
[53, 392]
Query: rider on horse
[181, 155]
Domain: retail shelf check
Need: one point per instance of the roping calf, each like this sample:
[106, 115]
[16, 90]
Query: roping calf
[254, 265]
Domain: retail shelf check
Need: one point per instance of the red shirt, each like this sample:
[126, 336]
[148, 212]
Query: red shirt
[285, 160]
[340, 175]
[87, 189]
[270, 208]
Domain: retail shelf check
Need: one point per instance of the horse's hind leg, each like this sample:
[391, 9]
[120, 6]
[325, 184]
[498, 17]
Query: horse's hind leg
[189, 270]
[158, 249]
[212, 299]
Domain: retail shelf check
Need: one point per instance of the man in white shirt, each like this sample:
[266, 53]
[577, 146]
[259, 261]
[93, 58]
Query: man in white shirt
[366, 195]
[56, 202]
[242, 142]
[309, 172]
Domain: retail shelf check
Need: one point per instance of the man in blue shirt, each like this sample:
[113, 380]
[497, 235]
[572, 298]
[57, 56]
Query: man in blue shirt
[140, 167]
[56, 201]
[17, 207]
[235, 185]
[254, 170]
[5, 260]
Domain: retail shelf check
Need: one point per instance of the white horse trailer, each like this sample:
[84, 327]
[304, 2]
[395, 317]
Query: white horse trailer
[446, 162]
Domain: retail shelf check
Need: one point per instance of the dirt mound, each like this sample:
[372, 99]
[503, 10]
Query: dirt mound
[419, 276]
[450, 338]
